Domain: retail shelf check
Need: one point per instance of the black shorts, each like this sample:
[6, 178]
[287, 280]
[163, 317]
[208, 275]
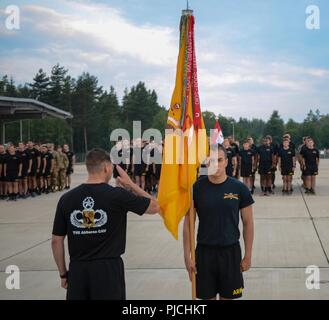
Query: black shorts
[287, 171]
[33, 173]
[24, 174]
[69, 171]
[40, 174]
[311, 171]
[12, 177]
[150, 171]
[219, 272]
[139, 170]
[265, 168]
[47, 174]
[246, 170]
[157, 171]
[96, 280]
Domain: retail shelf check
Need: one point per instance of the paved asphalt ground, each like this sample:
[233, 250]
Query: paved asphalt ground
[291, 233]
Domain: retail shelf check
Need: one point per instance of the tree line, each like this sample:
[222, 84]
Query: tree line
[97, 111]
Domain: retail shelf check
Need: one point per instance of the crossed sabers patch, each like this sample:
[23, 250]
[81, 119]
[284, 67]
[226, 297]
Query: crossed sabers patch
[231, 196]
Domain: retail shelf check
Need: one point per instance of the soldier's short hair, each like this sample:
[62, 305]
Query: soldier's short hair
[95, 158]
[218, 147]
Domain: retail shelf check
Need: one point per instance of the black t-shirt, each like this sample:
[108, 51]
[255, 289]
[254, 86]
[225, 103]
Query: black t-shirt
[70, 156]
[25, 158]
[235, 148]
[2, 162]
[310, 156]
[34, 154]
[48, 156]
[302, 149]
[42, 156]
[140, 154]
[265, 154]
[230, 155]
[94, 217]
[218, 207]
[286, 156]
[246, 156]
[12, 161]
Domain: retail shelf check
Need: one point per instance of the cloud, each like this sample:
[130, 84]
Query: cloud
[103, 27]
[96, 38]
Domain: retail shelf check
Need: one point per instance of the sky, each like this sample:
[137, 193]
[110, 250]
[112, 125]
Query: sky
[253, 56]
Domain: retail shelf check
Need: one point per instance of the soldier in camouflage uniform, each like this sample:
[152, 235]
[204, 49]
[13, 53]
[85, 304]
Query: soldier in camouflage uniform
[63, 164]
[54, 171]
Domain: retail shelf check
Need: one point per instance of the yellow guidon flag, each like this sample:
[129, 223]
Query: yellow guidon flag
[186, 144]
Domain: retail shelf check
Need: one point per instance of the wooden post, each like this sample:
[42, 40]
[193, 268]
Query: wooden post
[192, 244]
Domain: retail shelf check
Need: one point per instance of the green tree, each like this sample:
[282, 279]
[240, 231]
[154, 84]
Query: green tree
[160, 120]
[40, 86]
[84, 106]
[140, 104]
[275, 127]
[209, 119]
[56, 86]
[108, 118]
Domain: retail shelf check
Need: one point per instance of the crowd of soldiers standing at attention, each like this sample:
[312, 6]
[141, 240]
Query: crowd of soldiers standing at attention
[141, 159]
[268, 158]
[31, 169]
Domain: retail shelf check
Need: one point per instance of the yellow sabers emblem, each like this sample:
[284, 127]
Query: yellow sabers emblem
[231, 196]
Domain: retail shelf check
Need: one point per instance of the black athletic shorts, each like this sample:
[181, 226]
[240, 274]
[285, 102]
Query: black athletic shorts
[24, 174]
[287, 171]
[69, 171]
[12, 177]
[246, 170]
[219, 272]
[157, 171]
[33, 172]
[96, 280]
[265, 168]
[150, 171]
[47, 174]
[139, 170]
[311, 171]
[40, 174]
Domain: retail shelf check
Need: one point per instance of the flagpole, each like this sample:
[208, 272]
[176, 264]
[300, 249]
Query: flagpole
[189, 12]
[192, 243]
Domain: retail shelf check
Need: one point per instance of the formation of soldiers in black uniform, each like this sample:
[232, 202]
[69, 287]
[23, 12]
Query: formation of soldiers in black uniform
[141, 159]
[33, 169]
[268, 158]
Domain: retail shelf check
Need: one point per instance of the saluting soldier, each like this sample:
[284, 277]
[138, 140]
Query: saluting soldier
[94, 218]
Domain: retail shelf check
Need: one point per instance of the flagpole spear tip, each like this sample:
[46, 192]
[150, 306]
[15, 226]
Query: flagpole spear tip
[188, 11]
